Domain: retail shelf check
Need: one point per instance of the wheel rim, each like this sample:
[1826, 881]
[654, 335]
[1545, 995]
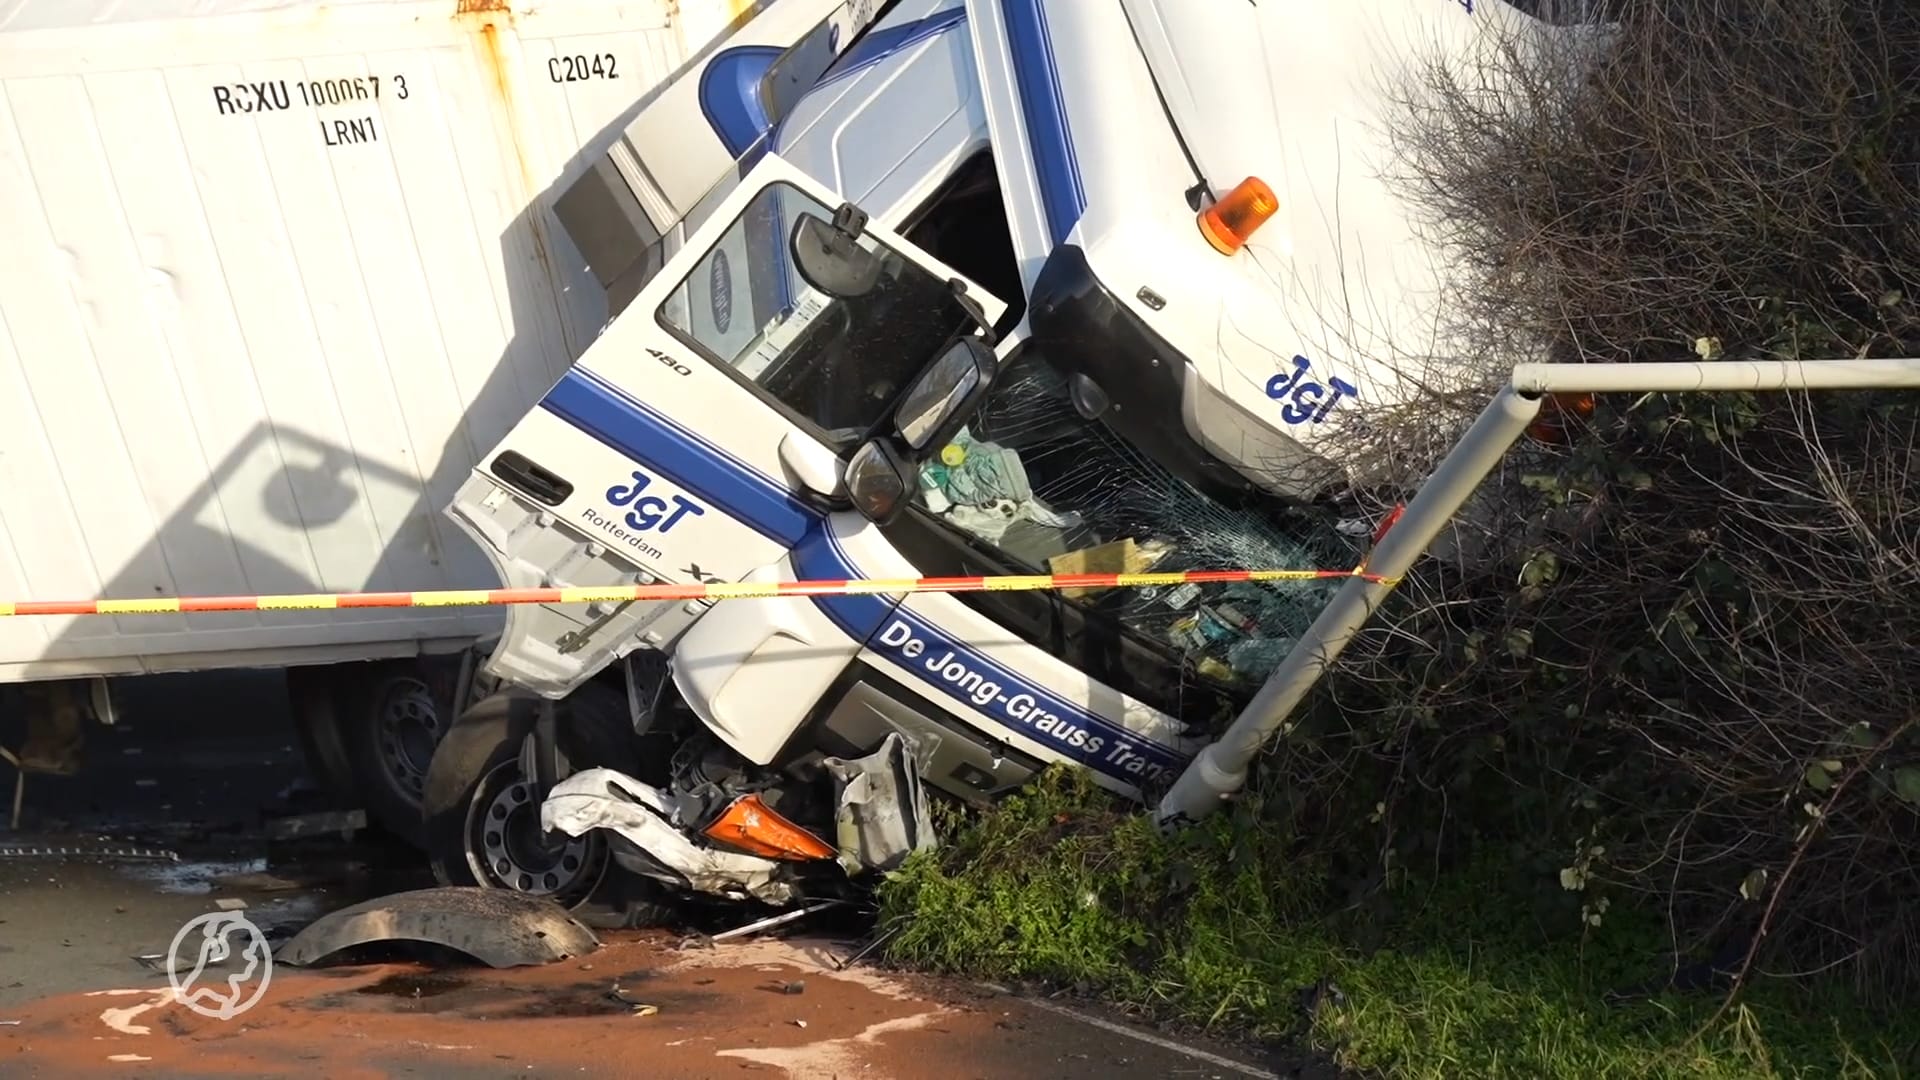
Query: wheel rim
[409, 726]
[506, 848]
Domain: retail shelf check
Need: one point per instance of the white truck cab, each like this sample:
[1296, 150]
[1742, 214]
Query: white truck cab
[988, 286]
[1242, 363]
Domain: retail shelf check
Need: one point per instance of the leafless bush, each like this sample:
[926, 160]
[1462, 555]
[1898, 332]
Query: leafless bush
[1739, 168]
[1695, 670]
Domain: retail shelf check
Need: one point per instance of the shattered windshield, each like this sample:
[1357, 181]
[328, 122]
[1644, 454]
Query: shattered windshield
[834, 365]
[1064, 495]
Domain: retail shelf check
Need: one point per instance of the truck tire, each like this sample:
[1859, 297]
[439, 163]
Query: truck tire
[391, 718]
[313, 699]
[482, 826]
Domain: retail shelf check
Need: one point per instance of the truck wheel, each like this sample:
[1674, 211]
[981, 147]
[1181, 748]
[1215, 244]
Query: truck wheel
[483, 824]
[312, 697]
[391, 721]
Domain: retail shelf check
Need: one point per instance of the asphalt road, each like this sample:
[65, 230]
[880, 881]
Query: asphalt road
[198, 764]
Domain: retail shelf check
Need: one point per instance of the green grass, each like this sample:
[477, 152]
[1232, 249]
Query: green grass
[1461, 976]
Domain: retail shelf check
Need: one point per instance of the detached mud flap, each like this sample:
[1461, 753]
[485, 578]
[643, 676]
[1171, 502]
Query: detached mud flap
[883, 818]
[498, 927]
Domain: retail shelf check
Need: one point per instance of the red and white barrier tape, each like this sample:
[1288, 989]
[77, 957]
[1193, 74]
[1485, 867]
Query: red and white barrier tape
[741, 590]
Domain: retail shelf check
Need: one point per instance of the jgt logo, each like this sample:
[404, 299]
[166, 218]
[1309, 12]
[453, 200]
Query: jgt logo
[1305, 398]
[653, 513]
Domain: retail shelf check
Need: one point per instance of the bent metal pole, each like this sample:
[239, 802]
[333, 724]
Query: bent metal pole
[1220, 769]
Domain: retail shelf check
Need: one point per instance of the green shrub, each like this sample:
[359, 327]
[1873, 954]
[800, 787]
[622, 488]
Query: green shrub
[1225, 927]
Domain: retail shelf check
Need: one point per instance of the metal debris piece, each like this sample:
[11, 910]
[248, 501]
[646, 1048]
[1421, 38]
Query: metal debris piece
[498, 927]
[638, 1008]
[775, 920]
[884, 812]
[19, 786]
[606, 799]
[797, 986]
[842, 965]
[1324, 992]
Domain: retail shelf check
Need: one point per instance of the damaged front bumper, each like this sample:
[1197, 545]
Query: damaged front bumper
[882, 817]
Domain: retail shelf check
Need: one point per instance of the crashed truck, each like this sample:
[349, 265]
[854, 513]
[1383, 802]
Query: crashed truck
[1004, 288]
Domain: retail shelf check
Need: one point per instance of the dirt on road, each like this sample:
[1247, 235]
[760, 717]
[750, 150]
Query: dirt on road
[198, 766]
[640, 1006]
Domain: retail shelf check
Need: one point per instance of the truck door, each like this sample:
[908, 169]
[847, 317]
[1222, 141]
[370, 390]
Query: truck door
[700, 438]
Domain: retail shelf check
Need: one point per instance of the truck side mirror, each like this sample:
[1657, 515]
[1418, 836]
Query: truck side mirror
[946, 393]
[830, 258]
[879, 480]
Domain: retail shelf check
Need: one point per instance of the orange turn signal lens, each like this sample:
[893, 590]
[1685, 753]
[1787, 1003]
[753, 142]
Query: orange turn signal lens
[750, 826]
[1229, 222]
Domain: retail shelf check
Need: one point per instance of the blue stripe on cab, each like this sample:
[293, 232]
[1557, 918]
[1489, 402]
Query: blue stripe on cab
[1042, 105]
[645, 436]
[1063, 726]
[820, 558]
[1025, 706]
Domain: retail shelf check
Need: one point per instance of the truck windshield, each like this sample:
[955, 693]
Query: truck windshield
[833, 365]
[1057, 493]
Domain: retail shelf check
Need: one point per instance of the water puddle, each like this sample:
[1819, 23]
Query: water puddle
[409, 985]
[191, 877]
[571, 1002]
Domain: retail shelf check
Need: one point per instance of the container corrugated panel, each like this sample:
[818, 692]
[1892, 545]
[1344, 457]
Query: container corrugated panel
[272, 275]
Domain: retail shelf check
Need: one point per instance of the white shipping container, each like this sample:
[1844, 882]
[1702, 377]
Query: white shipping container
[272, 275]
